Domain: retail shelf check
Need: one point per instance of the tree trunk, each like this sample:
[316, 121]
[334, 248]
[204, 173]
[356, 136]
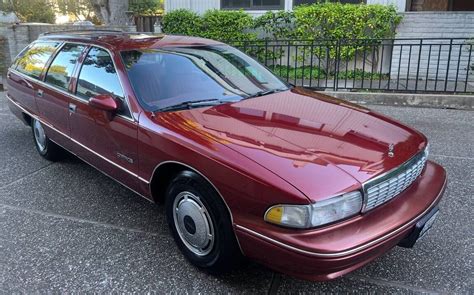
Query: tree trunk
[111, 12]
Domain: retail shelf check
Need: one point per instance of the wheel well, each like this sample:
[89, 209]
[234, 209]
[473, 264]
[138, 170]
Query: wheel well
[27, 118]
[163, 175]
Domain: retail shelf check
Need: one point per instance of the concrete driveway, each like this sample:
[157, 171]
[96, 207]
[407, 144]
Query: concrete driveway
[66, 227]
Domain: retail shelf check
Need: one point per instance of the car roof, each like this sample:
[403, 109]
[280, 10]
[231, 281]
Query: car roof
[120, 40]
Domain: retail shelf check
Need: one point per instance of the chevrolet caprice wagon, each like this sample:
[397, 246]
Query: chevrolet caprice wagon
[246, 165]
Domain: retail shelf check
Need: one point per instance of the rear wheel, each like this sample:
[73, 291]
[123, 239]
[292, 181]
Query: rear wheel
[45, 147]
[200, 223]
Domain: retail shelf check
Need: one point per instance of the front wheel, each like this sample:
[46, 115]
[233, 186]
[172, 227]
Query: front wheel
[45, 147]
[200, 223]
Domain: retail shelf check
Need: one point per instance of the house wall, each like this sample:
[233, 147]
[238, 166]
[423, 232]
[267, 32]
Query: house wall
[434, 25]
[199, 6]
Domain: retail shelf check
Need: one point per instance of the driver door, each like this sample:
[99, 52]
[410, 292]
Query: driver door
[106, 140]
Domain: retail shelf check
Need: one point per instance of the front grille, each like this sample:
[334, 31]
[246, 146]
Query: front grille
[388, 186]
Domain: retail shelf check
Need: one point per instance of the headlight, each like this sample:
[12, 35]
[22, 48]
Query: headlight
[427, 150]
[317, 214]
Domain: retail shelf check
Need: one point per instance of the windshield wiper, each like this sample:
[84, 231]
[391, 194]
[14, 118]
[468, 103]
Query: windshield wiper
[265, 92]
[191, 104]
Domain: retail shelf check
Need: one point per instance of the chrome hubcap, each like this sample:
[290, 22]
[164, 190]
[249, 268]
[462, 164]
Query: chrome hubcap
[40, 136]
[193, 223]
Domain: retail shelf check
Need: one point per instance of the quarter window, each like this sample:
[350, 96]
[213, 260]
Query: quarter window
[99, 76]
[60, 70]
[33, 60]
[252, 4]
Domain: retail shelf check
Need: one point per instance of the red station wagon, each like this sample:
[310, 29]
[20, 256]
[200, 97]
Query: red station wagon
[246, 165]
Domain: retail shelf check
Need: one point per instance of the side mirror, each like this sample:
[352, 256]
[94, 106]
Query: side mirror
[104, 102]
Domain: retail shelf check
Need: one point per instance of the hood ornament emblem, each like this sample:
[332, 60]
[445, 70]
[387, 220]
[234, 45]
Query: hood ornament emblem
[391, 149]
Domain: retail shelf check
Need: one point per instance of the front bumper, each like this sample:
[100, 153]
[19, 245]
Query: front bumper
[332, 251]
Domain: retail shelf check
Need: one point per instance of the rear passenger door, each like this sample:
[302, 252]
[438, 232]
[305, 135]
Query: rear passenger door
[54, 96]
[107, 141]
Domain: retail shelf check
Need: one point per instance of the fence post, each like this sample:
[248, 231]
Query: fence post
[418, 66]
[447, 68]
[336, 65]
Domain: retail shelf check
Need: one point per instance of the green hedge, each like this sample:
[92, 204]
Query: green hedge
[328, 20]
[222, 25]
[333, 21]
[182, 22]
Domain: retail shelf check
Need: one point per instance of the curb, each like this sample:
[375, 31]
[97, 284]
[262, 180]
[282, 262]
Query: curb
[463, 102]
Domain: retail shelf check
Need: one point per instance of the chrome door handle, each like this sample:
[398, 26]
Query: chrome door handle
[72, 108]
[39, 93]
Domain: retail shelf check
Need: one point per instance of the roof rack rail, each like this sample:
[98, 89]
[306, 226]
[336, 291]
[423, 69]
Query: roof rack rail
[82, 31]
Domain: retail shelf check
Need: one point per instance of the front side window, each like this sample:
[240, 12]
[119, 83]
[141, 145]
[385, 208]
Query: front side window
[32, 61]
[99, 76]
[252, 4]
[167, 77]
[60, 70]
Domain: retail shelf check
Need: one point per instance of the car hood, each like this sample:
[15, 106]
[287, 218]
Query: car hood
[321, 145]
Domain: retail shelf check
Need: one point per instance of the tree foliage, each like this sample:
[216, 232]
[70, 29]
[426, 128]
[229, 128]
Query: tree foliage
[80, 9]
[146, 7]
[31, 10]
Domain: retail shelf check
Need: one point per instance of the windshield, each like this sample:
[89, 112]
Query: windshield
[163, 78]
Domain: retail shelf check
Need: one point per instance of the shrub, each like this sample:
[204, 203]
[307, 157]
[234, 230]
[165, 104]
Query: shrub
[277, 25]
[224, 25]
[345, 21]
[336, 23]
[182, 22]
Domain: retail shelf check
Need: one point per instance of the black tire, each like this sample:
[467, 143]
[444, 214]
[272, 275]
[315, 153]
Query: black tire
[50, 151]
[225, 254]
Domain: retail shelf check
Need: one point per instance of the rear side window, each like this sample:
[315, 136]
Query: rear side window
[60, 70]
[99, 76]
[33, 61]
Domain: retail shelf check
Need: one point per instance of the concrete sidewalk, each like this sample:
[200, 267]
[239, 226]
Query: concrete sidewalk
[442, 101]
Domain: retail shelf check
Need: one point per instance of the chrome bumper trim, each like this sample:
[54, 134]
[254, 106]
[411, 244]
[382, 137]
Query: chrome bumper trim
[347, 252]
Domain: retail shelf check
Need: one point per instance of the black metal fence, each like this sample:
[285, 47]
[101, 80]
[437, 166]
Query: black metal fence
[400, 65]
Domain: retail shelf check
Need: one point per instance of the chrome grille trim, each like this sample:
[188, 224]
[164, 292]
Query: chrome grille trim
[387, 186]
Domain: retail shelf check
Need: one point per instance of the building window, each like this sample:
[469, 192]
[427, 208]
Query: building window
[299, 2]
[252, 4]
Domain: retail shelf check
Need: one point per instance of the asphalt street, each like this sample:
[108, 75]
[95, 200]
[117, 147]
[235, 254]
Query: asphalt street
[66, 227]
